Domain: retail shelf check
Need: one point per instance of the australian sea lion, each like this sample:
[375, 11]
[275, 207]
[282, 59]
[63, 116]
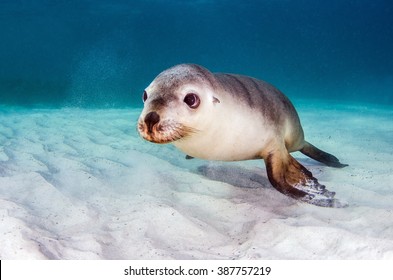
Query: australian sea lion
[232, 117]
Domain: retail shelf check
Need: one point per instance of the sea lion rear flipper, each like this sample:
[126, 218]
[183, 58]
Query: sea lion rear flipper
[291, 178]
[321, 156]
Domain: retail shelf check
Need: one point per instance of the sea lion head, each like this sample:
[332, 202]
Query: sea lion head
[177, 104]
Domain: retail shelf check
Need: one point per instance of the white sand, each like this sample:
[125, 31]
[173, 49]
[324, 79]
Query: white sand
[81, 184]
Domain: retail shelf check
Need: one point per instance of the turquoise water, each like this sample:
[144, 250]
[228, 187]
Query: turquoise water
[78, 182]
[103, 53]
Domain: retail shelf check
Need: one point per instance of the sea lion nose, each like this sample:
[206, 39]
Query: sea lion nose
[151, 119]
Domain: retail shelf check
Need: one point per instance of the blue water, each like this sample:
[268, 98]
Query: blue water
[103, 53]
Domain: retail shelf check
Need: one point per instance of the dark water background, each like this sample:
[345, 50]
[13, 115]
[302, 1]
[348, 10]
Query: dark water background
[103, 53]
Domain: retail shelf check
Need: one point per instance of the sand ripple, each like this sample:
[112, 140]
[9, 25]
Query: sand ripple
[81, 184]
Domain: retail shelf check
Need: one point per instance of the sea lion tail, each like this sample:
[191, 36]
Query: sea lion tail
[321, 156]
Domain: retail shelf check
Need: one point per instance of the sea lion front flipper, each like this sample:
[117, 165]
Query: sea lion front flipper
[291, 178]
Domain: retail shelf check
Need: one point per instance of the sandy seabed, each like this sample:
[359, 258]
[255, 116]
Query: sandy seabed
[81, 184]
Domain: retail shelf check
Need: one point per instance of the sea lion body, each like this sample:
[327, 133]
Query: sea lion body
[229, 137]
[232, 117]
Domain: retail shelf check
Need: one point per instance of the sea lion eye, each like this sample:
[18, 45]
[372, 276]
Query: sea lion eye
[192, 100]
[144, 97]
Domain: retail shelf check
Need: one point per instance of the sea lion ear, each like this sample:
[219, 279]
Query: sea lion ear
[216, 100]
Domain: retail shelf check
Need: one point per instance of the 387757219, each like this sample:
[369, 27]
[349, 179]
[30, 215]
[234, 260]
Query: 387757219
[244, 270]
